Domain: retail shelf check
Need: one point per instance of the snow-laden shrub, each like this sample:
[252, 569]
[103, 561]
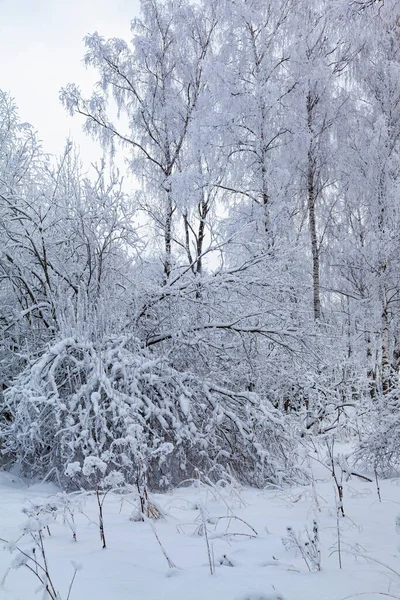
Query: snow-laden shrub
[379, 447]
[137, 414]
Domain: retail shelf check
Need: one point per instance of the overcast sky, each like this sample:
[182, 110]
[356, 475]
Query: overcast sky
[41, 50]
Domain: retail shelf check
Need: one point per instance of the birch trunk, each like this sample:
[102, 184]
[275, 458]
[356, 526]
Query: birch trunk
[385, 361]
[311, 200]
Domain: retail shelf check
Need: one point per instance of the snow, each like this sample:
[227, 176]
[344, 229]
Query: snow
[246, 568]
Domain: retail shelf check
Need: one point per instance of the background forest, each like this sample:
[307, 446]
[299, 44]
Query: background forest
[242, 293]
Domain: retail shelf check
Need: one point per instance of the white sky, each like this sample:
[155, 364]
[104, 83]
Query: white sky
[41, 50]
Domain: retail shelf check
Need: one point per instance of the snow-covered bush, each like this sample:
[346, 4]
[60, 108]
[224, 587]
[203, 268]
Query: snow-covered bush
[139, 416]
[379, 447]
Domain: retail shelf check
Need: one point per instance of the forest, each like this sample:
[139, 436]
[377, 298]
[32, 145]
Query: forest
[219, 294]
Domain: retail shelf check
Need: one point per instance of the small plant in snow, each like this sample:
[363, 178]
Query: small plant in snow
[170, 563]
[62, 504]
[309, 548]
[67, 505]
[146, 508]
[94, 471]
[34, 557]
[204, 531]
[337, 477]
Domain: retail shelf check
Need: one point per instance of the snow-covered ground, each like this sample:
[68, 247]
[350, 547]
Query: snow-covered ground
[247, 566]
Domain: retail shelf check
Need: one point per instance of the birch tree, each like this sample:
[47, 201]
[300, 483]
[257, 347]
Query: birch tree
[373, 141]
[156, 82]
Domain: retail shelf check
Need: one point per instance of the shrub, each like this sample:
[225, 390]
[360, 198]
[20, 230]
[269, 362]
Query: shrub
[379, 448]
[131, 409]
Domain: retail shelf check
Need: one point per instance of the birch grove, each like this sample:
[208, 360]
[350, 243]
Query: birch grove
[243, 290]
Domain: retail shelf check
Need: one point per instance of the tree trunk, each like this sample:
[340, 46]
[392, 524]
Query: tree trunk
[385, 361]
[203, 211]
[168, 236]
[311, 199]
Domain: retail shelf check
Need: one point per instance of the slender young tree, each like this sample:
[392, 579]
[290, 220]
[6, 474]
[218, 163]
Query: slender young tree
[254, 84]
[320, 98]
